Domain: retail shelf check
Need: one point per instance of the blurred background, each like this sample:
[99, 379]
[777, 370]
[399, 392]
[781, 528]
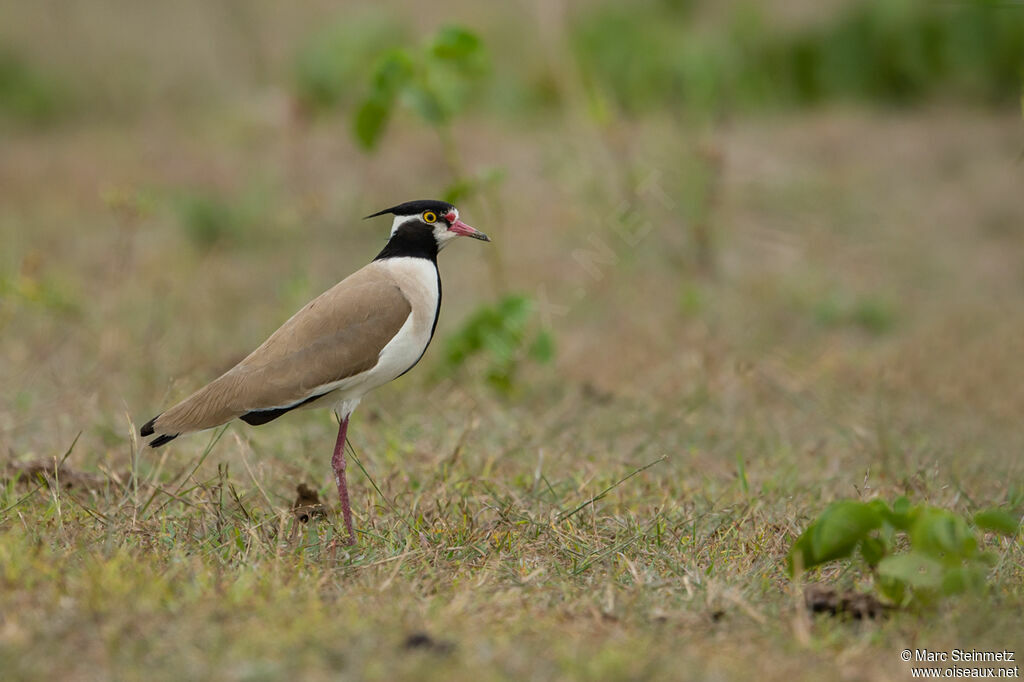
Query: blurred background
[791, 229]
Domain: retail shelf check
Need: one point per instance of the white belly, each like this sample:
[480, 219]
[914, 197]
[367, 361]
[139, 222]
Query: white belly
[418, 280]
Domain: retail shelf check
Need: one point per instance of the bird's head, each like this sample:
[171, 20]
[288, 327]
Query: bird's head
[438, 218]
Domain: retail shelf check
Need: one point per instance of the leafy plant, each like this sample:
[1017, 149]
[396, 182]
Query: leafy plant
[504, 335]
[433, 80]
[916, 553]
[34, 291]
[330, 66]
[871, 313]
[26, 95]
[651, 55]
[487, 179]
[210, 220]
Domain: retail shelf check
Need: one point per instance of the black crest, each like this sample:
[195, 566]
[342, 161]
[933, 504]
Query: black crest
[416, 207]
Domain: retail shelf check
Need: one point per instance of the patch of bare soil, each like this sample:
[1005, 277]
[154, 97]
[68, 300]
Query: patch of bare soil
[825, 599]
[49, 474]
[423, 641]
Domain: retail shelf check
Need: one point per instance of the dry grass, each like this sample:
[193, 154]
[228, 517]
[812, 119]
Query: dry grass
[860, 336]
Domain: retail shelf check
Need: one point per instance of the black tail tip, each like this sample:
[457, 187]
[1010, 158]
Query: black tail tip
[147, 428]
[161, 440]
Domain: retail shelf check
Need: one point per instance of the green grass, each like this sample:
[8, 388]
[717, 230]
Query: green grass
[511, 568]
[764, 414]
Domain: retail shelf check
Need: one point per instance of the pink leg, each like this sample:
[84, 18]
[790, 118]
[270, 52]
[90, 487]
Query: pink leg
[338, 464]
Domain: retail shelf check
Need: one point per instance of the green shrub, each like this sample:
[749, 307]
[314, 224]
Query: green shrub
[34, 288]
[209, 220]
[902, 51]
[26, 95]
[330, 67]
[916, 553]
[872, 314]
[434, 80]
[503, 336]
[650, 55]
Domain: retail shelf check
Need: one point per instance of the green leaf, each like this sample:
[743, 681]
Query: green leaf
[458, 190]
[342, 53]
[873, 550]
[841, 527]
[370, 121]
[432, 80]
[997, 521]
[468, 186]
[800, 557]
[959, 579]
[543, 348]
[514, 309]
[901, 515]
[457, 44]
[915, 569]
[834, 534]
[394, 72]
[987, 558]
[893, 589]
[879, 505]
[499, 333]
[941, 533]
[427, 104]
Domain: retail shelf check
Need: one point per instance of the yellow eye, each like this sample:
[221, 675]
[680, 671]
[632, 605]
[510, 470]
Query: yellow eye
[429, 217]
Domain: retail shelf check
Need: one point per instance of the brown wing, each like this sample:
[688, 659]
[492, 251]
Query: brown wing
[337, 335]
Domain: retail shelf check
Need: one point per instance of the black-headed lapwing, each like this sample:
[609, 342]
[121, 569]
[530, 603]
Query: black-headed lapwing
[368, 329]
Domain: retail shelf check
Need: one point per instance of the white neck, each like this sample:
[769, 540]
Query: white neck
[397, 222]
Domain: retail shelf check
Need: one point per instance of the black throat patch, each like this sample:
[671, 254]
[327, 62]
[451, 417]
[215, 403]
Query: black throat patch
[411, 240]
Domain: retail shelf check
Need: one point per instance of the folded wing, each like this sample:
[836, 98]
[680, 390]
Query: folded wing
[335, 336]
